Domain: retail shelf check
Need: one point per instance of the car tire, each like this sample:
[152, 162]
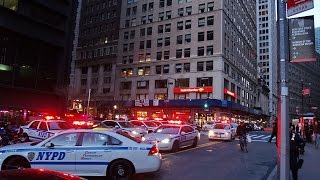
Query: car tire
[120, 169]
[175, 146]
[195, 142]
[16, 163]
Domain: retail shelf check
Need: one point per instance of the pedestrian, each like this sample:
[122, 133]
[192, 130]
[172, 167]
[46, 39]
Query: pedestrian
[295, 161]
[316, 134]
[274, 130]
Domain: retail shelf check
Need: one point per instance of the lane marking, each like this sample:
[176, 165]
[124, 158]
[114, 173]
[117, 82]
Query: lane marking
[198, 147]
[267, 137]
[258, 136]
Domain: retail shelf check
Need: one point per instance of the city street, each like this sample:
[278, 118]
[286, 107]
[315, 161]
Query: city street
[218, 160]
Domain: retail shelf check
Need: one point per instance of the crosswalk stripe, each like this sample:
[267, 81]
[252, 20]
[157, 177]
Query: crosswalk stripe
[258, 136]
[266, 137]
[273, 138]
[253, 136]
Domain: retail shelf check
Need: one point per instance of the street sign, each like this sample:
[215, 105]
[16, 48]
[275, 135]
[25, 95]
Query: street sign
[301, 39]
[298, 6]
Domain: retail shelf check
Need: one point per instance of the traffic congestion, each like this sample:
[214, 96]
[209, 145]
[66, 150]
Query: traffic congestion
[112, 148]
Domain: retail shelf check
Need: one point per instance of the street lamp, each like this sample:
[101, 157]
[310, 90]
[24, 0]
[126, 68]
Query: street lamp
[114, 111]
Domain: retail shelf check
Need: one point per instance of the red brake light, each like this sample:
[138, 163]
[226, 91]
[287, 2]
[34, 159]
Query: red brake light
[153, 151]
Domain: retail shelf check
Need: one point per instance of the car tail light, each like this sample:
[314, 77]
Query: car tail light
[153, 151]
[80, 123]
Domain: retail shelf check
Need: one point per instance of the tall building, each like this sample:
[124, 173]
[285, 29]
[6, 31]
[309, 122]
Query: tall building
[34, 54]
[95, 55]
[267, 50]
[189, 59]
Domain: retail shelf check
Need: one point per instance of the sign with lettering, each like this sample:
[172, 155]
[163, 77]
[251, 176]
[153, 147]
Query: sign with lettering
[51, 155]
[301, 39]
[226, 91]
[193, 90]
[298, 6]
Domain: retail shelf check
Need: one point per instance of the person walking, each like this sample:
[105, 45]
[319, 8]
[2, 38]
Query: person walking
[274, 130]
[295, 163]
[316, 134]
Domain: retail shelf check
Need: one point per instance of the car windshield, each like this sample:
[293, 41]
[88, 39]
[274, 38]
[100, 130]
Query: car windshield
[128, 136]
[59, 125]
[150, 124]
[126, 124]
[168, 130]
[157, 123]
[220, 126]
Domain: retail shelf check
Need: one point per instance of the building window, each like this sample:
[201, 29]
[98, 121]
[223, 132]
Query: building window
[183, 82]
[161, 16]
[161, 84]
[180, 12]
[201, 51]
[125, 85]
[226, 68]
[166, 54]
[187, 38]
[159, 55]
[210, 20]
[142, 84]
[201, 22]
[186, 67]
[209, 35]
[132, 34]
[142, 32]
[179, 39]
[169, 2]
[168, 27]
[202, 7]
[187, 52]
[168, 15]
[158, 69]
[200, 36]
[209, 50]
[210, 6]
[149, 31]
[165, 69]
[161, 3]
[167, 41]
[148, 44]
[159, 42]
[126, 35]
[209, 65]
[160, 29]
[179, 53]
[204, 81]
[188, 24]
[180, 25]
[178, 68]
[188, 10]
[141, 45]
[200, 66]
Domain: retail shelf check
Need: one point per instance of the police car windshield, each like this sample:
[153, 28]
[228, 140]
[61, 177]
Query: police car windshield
[220, 126]
[168, 130]
[128, 136]
[150, 124]
[126, 124]
[59, 125]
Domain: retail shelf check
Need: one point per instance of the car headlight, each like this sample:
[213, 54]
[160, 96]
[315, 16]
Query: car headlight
[143, 138]
[210, 133]
[134, 132]
[165, 141]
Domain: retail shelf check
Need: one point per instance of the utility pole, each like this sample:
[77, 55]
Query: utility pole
[283, 120]
[88, 105]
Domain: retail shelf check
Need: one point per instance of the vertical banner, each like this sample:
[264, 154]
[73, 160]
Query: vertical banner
[302, 40]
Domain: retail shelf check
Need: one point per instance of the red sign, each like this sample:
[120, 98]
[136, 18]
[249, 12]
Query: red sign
[226, 91]
[306, 91]
[298, 6]
[192, 90]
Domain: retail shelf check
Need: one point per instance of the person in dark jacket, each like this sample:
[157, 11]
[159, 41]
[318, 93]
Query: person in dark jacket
[274, 130]
[294, 154]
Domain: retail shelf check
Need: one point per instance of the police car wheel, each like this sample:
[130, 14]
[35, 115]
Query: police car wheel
[121, 169]
[195, 142]
[16, 163]
[175, 146]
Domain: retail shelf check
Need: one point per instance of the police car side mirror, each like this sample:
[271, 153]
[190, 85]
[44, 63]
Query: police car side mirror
[50, 145]
[183, 133]
[117, 126]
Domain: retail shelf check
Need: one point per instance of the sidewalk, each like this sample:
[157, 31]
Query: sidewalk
[311, 167]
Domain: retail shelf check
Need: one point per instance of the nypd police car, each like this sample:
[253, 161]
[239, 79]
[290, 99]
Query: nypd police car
[173, 137]
[85, 152]
[42, 129]
[125, 126]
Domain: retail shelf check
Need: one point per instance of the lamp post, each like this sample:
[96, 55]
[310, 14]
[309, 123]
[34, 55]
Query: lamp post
[88, 105]
[170, 83]
[114, 111]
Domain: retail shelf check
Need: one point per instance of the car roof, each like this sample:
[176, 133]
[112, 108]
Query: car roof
[50, 120]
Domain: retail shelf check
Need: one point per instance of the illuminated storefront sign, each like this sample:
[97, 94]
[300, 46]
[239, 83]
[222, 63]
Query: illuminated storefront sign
[226, 91]
[193, 90]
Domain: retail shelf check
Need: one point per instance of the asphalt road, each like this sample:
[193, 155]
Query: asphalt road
[217, 160]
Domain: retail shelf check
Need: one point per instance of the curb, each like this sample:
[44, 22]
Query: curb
[273, 173]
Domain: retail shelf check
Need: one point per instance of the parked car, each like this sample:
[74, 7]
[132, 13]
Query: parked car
[126, 126]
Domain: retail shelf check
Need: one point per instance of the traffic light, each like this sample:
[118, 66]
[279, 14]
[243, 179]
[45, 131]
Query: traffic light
[206, 106]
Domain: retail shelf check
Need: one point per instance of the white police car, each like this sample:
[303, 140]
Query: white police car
[42, 129]
[85, 152]
[126, 126]
[173, 137]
